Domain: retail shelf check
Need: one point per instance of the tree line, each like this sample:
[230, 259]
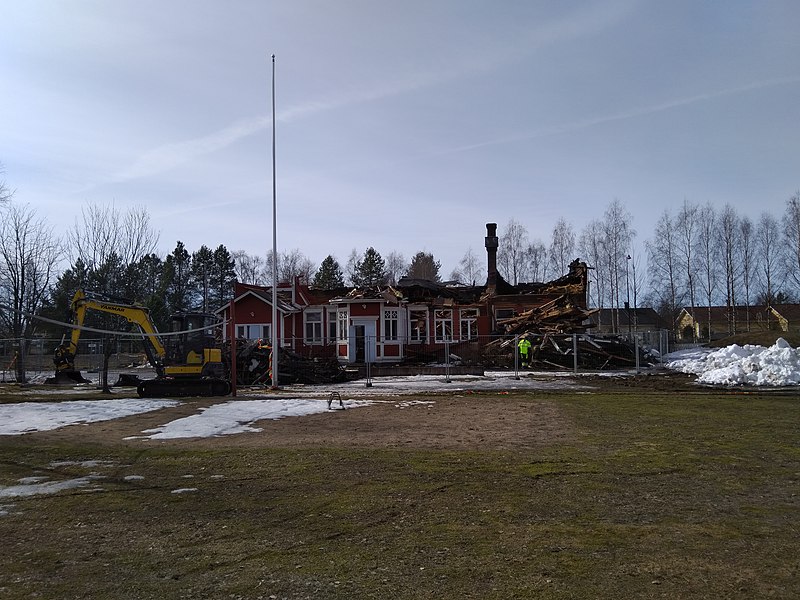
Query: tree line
[699, 256]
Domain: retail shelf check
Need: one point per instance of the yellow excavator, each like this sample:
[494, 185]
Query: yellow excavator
[187, 362]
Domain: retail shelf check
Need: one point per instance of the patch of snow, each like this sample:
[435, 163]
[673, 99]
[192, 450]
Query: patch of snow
[133, 478]
[30, 480]
[49, 487]
[776, 366]
[26, 417]
[237, 416]
[183, 490]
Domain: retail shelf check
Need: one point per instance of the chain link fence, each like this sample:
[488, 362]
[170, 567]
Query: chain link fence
[376, 356]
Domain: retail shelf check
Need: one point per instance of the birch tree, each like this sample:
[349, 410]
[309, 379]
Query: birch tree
[686, 229]
[511, 259]
[663, 268]
[537, 261]
[562, 247]
[748, 251]
[708, 256]
[727, 241]
[590, 244]
[617, 237]
[791, 233]
[768, 257]
[469, 269]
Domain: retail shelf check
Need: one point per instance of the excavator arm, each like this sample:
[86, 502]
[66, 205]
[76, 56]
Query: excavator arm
[64, 356]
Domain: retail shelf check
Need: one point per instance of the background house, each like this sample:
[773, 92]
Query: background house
[633, 320]
[722, 321]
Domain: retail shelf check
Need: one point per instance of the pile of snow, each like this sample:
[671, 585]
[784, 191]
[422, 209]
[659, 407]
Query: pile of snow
[778, 365]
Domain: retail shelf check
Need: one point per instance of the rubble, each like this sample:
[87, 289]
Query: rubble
[254, 361]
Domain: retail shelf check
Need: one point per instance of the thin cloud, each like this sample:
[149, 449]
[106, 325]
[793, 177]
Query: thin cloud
[587, 21]
[630, 114]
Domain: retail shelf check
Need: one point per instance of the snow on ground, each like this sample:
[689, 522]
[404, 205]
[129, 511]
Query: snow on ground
[32, 486]
[25, 417]
[778, 365]
[238, 416]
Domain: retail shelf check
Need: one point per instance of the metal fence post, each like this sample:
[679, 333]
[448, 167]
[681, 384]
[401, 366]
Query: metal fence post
[575, 352]
[447, 360]
[516, 357]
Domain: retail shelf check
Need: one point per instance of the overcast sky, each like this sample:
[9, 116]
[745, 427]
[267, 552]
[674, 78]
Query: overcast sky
[400, 125]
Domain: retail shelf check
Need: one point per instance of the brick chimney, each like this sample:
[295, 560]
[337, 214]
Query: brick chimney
[491, 255]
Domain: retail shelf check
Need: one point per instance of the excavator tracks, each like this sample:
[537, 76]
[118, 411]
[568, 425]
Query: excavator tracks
[181, 388]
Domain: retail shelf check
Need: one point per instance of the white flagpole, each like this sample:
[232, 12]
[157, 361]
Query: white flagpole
[275, 346]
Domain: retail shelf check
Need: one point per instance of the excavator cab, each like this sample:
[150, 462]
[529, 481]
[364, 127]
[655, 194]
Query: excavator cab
[192, 348]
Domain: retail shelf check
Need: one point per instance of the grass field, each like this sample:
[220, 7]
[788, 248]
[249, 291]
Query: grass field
[652, 495]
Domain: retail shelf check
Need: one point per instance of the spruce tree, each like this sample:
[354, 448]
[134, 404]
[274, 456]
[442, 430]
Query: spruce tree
[424, 266]
[329, 276]
[370, 271]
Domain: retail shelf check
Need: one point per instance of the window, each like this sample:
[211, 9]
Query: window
[390, 317]
[469, 323]
[443, 323]
[254, 332]
[419, 326]
[504, 313]
[313, 320]
[343, 319]
[331, 325]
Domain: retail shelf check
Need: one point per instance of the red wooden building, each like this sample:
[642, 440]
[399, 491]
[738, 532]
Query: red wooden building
[393, 323]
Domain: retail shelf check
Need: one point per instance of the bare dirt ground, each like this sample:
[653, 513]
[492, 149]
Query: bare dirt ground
[462, 420]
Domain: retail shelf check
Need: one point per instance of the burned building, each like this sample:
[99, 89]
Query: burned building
[411, 320]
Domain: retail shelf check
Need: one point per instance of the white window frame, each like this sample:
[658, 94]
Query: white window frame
[254, 331]
[468, 321]
[330, 330]
[443, 325]
[312, 318]
[391, 324]
[342, 325]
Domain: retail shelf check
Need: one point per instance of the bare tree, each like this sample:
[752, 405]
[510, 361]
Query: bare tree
[104, 237]
[791, 233]
[511, 259]
[707, 256]
[6, 193]
[293, 263]
[395, 267]
[768, 256]
[590, 244]
[29, 253]
[686, 226]
[137, 238]
[617, 237]
[537, 261]
[728, 243]
[469, 269]
[562, 247]
[250, 269]
[748, 251]
[663, 267]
